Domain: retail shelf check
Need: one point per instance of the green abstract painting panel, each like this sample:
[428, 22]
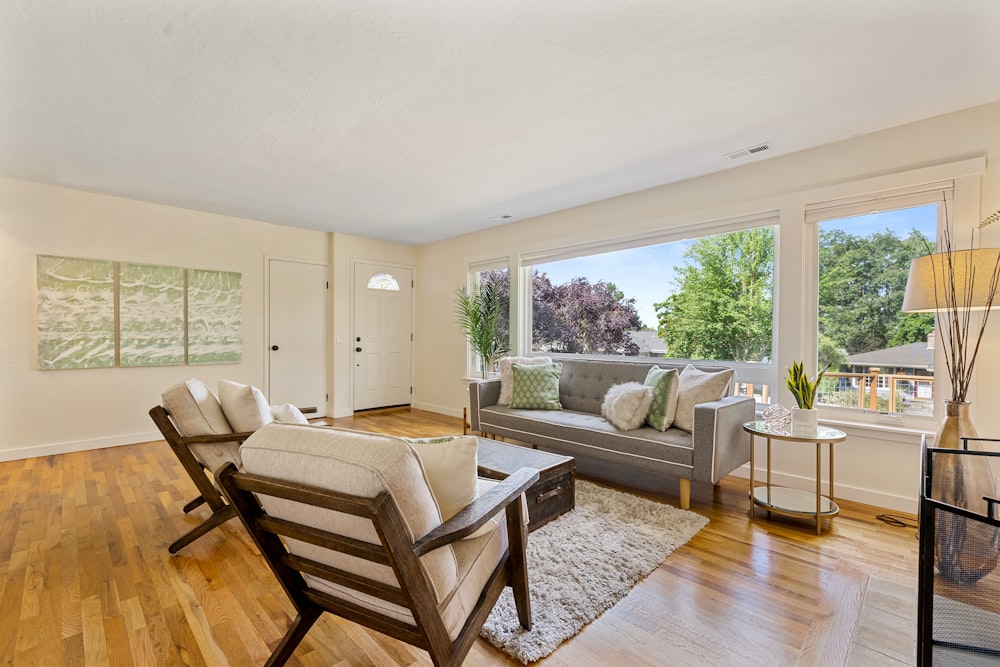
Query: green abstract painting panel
[76, 313]
[215, 307]
[151, 312]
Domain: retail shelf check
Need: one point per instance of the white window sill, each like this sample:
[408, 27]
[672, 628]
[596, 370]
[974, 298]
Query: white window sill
[887, 432]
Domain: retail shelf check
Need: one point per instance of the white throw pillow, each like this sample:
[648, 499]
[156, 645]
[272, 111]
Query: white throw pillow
[626, 405]
[195, 409]
[450, 465]
[696, 387]
[244, 406]
[507, 374]
[288, 414]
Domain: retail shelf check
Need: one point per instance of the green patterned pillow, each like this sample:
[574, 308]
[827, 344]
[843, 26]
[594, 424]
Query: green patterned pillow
[664, 383]
[536, 387]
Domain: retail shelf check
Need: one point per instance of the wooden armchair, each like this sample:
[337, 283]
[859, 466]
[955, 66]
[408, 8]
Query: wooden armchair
[349, 525]
[196, 455]
[194, 423]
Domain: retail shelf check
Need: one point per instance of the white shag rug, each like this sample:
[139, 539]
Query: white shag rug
[584, 562]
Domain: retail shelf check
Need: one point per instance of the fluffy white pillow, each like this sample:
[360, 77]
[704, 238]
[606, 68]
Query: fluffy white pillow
[507, 374]
[244, 405]
[288, 414]
[626, 405]
[695, 387]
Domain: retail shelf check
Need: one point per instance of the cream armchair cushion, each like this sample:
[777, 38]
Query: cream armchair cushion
[195, 410]
[366, 464]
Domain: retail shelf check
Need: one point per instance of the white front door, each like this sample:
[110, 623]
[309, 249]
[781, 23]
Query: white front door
[382, 340]
[296, 346]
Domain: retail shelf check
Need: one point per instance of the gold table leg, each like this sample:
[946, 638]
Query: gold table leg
[819, 488]
[753, 504]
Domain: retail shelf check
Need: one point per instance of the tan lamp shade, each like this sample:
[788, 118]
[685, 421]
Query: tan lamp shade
[975, 266]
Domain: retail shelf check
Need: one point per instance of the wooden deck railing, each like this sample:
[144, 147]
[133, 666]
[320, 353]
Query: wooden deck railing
[913, 394]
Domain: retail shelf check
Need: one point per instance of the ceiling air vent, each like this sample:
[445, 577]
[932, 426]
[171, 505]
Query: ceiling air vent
[746, 152]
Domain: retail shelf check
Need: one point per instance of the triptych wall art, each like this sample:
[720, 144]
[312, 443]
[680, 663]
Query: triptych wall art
[100, 314]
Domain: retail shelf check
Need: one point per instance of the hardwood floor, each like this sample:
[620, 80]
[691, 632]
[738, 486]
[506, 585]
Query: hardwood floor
[85, 578]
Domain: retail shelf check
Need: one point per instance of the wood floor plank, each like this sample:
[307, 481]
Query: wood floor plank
[85, 578]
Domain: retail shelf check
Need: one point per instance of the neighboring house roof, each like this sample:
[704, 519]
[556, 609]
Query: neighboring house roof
[911, 355]
[648, 342]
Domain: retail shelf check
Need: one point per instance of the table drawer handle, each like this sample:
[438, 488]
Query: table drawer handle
[552, 493]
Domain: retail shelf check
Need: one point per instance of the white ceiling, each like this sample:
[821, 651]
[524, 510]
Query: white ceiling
[416, 120]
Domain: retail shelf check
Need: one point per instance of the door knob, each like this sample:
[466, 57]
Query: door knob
[357, 349]
[274, 347]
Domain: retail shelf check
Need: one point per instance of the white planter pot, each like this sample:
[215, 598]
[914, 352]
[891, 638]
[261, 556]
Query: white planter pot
[804, 422]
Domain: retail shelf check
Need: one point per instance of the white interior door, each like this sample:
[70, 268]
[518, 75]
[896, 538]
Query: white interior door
[382, 341]
[297, 303]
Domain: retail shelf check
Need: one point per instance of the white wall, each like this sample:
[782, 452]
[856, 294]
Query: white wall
[875, 467]
[46, 412]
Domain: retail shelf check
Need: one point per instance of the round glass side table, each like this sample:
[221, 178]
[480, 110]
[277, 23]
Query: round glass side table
[794, 502]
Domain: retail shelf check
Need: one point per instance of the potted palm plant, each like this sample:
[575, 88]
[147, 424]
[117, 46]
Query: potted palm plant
[805, 419]
[479, 312]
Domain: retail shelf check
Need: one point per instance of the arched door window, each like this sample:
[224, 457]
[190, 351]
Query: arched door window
[383, 281]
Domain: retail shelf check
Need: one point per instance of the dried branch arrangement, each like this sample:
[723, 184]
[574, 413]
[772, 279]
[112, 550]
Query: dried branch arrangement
[961, 338]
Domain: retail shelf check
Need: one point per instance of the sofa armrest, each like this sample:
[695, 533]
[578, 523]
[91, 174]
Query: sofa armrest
[482, 393]
[720, 444]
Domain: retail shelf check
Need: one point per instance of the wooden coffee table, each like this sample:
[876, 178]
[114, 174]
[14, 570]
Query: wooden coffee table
[555, 491]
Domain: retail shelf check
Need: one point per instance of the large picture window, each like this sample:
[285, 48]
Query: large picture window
[881, 360]
[708, 298]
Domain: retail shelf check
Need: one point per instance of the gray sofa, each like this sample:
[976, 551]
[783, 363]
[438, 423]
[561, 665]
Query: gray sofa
[715, 448]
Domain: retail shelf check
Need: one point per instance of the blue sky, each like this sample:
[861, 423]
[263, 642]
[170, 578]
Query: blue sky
[647, 274]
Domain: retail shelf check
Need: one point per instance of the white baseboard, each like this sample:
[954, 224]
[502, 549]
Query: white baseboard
[846, 491]
[343, 412]
[439, 409]
[77, 446]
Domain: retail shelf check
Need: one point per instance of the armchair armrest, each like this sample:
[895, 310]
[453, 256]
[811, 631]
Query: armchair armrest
[482, 393]
[720, 445]
[216, 438]
[479, 511]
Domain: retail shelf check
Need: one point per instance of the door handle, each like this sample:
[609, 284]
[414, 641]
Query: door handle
[357, 349]
[274, 347]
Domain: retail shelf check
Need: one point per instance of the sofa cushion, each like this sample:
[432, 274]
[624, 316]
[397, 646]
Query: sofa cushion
[694, 387]
[582, 433]
[663, 382]
[584, 382]
[507, 374]
[626, 405]
[536, 387]
[244, 405]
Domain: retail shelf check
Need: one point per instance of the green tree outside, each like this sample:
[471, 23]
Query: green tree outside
[861, 286]
[723, 307]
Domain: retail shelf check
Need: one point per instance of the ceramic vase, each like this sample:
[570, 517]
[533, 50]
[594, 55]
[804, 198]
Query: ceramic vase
[805, 421]
[965, 550]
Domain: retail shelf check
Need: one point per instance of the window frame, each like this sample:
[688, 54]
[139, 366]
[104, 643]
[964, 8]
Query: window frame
[745, 372]
[473, 272]
[941, 193]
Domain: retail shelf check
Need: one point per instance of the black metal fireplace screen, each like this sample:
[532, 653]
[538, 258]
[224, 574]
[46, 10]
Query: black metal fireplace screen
[958, 605]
